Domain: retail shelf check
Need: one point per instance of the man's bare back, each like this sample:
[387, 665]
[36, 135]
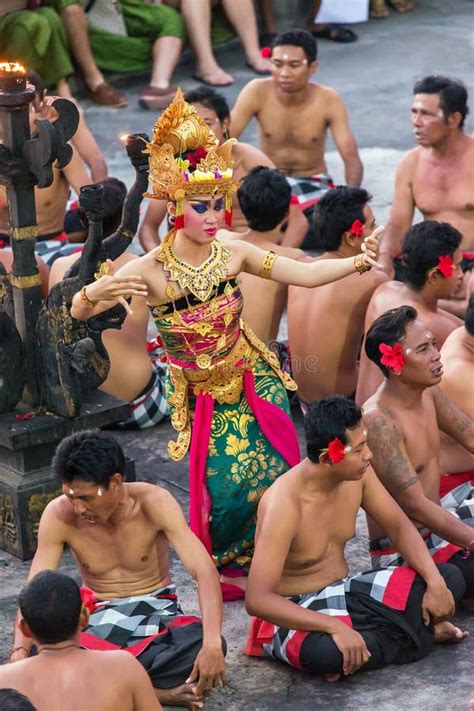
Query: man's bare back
[457, 356]
[325, 357]
[79, 679]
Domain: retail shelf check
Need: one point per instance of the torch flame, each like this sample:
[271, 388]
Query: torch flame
[12, 68]
[124, 137]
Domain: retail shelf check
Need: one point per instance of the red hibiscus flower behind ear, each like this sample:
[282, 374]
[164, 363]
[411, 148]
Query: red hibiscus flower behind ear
[446, 266]
[336, 450]
[357, 228]
[392, 357]
[266, 52]
[195, 156]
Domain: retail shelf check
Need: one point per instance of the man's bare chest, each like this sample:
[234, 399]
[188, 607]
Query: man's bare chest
[305, 129]
[99, 551]
[421, 439]
[441, 187]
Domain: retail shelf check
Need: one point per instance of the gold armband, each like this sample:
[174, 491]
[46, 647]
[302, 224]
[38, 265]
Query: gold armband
[85, 299]
[267, 265]
[360, 264]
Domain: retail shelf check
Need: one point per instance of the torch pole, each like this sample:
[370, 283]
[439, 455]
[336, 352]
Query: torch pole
[15, 98]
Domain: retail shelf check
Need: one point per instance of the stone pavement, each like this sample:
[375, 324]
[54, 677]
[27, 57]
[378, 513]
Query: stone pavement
[375, 77]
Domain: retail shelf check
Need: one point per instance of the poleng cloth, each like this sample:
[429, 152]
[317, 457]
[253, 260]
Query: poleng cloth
[459, 502]
[389, 587]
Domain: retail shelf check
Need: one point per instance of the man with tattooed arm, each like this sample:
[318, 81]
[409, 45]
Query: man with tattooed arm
[402, 419]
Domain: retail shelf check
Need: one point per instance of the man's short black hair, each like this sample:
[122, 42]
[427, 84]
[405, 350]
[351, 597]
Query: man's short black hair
[51, 605]
[452, 94]
[211, 99]
[389, 328]
[469, 316]
[90, 456]
[335, 212]
[299, 38]
[329, 418]
[422, 246]
[264, 198]
[12, 700]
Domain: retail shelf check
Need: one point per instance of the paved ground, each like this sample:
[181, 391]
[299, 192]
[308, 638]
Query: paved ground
[375, 77]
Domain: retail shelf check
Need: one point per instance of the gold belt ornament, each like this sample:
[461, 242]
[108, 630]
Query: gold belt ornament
[224, 381]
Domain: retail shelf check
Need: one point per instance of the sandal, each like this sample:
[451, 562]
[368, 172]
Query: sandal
[378, 9]
[336, 33]
[155, 99]
[106, 95]
[401, 5]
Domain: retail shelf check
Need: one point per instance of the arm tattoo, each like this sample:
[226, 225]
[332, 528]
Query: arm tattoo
[390, 463]
[448, 414]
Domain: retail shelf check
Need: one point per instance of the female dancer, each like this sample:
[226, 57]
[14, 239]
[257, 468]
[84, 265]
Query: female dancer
[224, 387]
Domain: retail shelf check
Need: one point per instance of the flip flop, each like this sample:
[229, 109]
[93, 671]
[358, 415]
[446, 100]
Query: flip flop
[201, 80]
[231, 593]
[335, 33]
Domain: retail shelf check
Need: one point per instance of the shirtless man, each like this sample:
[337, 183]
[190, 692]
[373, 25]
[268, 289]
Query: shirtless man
[437, 176]
[402, 419]
[457, 355]
[425, 246]
[52, 616]
[299, 575]
[119, 535]
[135, 375]
[264, 198]
[214, 109]
[325, 359]
[293, 116]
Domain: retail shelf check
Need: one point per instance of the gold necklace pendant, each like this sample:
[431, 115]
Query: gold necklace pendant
[203, 361]
[200, 280]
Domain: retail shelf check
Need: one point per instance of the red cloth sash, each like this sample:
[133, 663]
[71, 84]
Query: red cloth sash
[451, 481]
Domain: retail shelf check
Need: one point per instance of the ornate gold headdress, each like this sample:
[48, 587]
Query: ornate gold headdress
[186, 159]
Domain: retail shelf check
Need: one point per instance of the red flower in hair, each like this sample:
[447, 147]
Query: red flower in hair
[357, 228]
[446, 266]
[266, 52]
[25, 416]
[336, 450]
[392, 357]
[195, 156]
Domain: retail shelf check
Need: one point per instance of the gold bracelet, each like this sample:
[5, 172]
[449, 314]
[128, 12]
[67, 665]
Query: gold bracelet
[85, 299]
[266, 270]
[360, 264]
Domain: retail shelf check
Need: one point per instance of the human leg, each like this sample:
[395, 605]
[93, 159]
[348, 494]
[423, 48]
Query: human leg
[197, 15]
[100, 91]
[242, 17]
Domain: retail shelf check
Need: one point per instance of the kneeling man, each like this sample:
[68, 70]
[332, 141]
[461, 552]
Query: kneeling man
[311, 614]
[119, 534]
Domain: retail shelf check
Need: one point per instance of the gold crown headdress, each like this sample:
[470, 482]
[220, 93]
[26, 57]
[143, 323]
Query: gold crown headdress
[187, 161]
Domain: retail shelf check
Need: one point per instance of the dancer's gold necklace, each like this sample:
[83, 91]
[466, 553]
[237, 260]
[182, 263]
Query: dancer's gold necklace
[200, 280]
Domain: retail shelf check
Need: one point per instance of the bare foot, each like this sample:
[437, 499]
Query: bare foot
[332, 677]
[213, 76]
[184, 695]
[259, 64]
[447, 632]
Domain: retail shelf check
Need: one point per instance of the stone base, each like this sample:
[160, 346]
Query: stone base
[26, 451]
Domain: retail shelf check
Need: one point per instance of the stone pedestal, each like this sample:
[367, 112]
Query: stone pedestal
[26, 451]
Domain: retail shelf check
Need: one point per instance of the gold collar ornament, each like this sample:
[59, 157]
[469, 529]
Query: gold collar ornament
[200, 280]
[186, 160]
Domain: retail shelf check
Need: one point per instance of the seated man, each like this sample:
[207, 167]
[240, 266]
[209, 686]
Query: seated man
[264, 197]
[293, 117]
[52, 616]
[324, 358]
[214, 109]
[119, 534]
[137, 374]
[457, 354]
[402, 419]
[431, 257]
[313, 615]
